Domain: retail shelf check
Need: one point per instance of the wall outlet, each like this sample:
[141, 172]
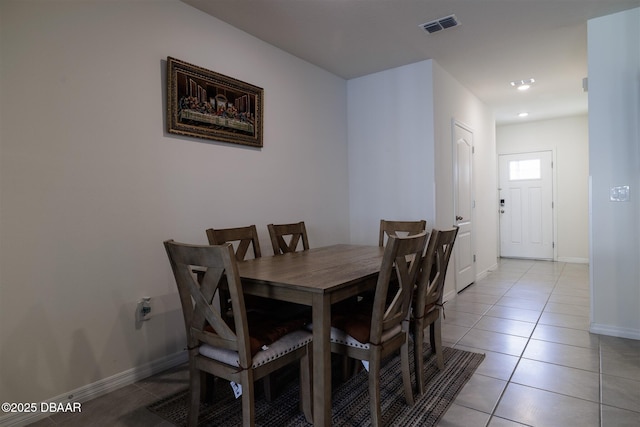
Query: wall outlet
[144, 309]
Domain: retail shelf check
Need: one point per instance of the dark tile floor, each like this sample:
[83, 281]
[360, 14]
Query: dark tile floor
[542, 366]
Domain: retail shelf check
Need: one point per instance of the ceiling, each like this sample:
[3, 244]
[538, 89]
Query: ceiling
[497, 41]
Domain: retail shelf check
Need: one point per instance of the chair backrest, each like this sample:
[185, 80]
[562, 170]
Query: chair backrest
[203, 321]
[433, 271]
[392, 228]
[245, 237]
[402, 256]
[295, 232]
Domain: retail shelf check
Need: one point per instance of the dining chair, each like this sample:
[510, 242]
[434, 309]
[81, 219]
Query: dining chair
[246, 238]
[370, 331]
[240, 349]
[427, 302]
[294, 233]
[392, 228]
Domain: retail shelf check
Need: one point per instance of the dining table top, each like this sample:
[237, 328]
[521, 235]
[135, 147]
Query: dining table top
[316, 270]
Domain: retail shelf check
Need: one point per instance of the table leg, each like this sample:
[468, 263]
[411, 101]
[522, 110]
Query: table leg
[321, 313]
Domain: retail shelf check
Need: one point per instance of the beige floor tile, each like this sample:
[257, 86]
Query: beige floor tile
[574, 337]
[502, 422]
[621, 392]
[481, 393]
[570, 309]
[452, 333]
[505, 326]
[468, 307]
[528, 294]
[514, 313]
[565, 355]
[493, 341]
[565, 320]
[558, 379]
[535, 407]
[475, 297]
[620, 357]
[460, 318]
[617, 417]
[459, 416]
[495, 284]
[570, 299]
[526, 304]
[495, 365]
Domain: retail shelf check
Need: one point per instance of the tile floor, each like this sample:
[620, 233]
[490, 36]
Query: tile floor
[542, 366]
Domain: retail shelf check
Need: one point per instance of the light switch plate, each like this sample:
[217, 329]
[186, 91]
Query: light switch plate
[619, 194]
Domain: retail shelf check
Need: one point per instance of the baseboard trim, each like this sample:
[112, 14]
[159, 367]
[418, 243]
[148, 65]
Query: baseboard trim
[574, 260]
[98, 388]
[615, 331]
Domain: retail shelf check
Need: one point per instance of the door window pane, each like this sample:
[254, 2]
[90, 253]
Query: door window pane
[524, 169]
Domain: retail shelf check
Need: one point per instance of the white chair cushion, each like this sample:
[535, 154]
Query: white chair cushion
[341, 337]
[284, 345]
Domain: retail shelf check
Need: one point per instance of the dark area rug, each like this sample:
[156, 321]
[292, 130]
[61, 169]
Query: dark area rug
[350, 405]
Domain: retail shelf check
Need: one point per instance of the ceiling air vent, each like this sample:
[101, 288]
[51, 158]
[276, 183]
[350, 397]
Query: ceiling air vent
[440, 24]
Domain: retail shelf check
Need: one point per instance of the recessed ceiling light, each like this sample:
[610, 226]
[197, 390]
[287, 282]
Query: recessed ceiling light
[523, 114]
[522, 84]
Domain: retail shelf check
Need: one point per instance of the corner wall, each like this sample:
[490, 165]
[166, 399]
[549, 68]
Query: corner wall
[614, 141]
[391, 161]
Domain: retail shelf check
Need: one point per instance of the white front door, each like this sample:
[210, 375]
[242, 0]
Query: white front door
[463, 199]
[526, 205]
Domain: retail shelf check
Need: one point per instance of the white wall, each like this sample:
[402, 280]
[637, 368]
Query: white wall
[614, 141]
[92, 184]
[400, 154]
[568, 138]
[454, 101]
[391, 162]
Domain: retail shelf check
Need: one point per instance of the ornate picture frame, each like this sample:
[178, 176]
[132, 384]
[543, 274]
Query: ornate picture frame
[205, 104]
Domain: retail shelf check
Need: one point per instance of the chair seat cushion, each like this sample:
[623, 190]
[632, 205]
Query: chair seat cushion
[286, 344]
[355, 323]
[351, 324]
[264, 330]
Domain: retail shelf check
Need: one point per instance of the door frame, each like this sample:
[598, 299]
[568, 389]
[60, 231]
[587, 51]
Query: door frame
[554, 194]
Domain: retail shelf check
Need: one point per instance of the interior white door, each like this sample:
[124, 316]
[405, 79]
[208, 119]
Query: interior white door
[464, 205]
[526, 205]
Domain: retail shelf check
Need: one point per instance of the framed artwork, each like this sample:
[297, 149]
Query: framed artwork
[206, 104]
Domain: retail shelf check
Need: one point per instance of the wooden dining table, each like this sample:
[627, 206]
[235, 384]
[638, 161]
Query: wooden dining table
[318, 278]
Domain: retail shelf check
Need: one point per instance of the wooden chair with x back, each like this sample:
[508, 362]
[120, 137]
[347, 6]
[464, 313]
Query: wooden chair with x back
[246, 237]
[373, 330]
[392, 228]
[294, 233]
[427, 300]
[237, 349]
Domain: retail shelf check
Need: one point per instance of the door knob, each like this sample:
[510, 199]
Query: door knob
[501, 210]
[459, 218]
